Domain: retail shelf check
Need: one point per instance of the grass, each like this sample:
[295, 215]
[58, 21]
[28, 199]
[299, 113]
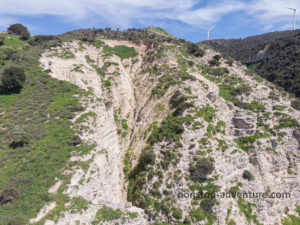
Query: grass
[246, 209]
[40, 113]
[85, 116]
[99, 70]
[89, 60]
[107, 214]
[286, 121]
[207, 113]
[292, 219]
[247, 143]
[77, 68]
[78, 204]
[120, 50]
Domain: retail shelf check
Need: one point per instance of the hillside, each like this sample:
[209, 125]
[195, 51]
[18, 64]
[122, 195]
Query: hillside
[133, 127]
[274, 56]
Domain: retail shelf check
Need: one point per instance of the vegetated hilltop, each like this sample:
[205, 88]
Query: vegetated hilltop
[274, 56]
[130, 127]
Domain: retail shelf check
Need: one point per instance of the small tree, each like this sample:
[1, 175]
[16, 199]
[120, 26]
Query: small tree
[203, 168]
[19, 29]
[13, 78]
[247, 175]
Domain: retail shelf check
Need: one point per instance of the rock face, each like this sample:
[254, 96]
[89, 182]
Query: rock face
[244, 125]
[296, 134]
[212, 96]
[160, 103]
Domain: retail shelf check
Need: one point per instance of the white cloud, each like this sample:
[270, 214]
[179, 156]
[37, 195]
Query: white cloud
[128, 13]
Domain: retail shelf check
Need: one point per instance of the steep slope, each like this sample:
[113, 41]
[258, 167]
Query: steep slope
[164, 135]
[274, 56]
[174, 113]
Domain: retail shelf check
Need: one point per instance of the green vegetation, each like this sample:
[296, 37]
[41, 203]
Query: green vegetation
[78, 204]
[77, 68]
[176, 213]
[159, 31]
[195, 50]
[84, 117]
[120, 50]
[247, 175]
[19, 29]
[107, 214]
[97, 43]
[246, 209]
[170, 129]
[207, 112]
[279, 61]
[202, 168]
[296, 104]
[197, 214]
[89, 60]
[111, 63]
[292, 219]
[220, 71]
[13, 78]
[247, 143]
[99, 70]
[229, 93]
[286, 121]
[37, 142]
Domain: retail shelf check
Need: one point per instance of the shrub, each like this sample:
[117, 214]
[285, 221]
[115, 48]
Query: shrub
[177, 214]
[16, 220]
[171, 129]
[217, 57]
[19, 29]
[177, 101]
[195, 50]
[9, 194]
[214, 62]
[2, 38]
[13, 78]
[18, 144]
[247, 175]
[203, 168]
[296, 104]
[208, 204]
[76, 140]
[108, 214]
[147, 158]
[242, 89]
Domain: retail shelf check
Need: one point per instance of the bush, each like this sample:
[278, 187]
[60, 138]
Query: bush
[8, 195]
[217, 57]
[178, 101]
[177, 214]
[195, 50]
[296, 104]
[214, 62]
[13, 78]
[19, 29]
[208, 204]
[2, 38]
[203, 168]
[16, 220]
[147, 158]
[171, 130]
[247, 175]
[76, 140]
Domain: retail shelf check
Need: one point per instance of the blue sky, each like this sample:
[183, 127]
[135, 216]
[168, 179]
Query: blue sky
[188, 19]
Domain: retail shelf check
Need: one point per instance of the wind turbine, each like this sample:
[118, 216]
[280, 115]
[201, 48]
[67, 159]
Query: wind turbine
[294, 20]
[208, 30]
